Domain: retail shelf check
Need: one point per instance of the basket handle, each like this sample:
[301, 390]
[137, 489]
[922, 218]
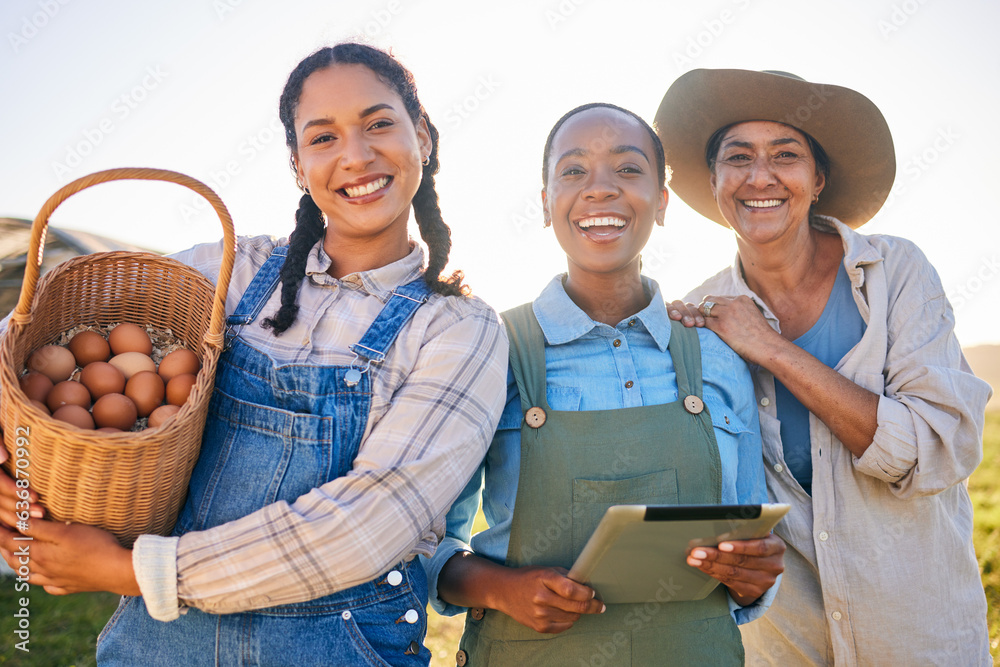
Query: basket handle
[32, 269]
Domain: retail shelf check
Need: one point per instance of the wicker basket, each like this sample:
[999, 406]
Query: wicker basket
[127, 483]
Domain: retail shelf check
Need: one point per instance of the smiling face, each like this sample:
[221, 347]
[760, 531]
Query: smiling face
[764, 180]
[603, 193]
[358, 153]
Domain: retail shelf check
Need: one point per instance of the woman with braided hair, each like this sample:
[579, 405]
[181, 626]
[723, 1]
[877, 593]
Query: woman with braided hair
[342, 426]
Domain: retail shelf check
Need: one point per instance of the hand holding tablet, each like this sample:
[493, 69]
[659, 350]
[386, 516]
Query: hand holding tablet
[639, 553]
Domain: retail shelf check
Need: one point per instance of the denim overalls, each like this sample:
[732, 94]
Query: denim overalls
[274, 433]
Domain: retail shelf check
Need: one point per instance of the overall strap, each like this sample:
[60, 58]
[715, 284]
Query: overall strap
[257, 293]
[527, 355]
[396, 312]
[685, 350]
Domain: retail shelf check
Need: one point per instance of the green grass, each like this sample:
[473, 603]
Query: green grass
[64, 629]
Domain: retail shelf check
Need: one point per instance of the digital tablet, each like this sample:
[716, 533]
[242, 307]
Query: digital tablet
[638, 553]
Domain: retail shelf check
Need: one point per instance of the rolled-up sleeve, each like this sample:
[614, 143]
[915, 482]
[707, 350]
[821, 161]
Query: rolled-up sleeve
[931, 410]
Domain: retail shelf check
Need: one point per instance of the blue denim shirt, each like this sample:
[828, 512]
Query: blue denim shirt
[584, 371]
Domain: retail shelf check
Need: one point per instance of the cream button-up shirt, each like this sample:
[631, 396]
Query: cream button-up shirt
[880, 567]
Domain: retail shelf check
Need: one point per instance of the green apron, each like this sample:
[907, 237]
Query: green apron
[574, 465]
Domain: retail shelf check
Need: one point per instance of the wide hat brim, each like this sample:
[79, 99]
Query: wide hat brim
[848, 126]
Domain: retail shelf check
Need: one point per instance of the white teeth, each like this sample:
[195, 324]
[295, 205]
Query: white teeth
[762, 203]
[367, 188]
[601, 222]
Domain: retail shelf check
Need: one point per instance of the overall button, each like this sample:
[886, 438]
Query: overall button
[477, 613]
[693, 404]
[461, 658]
[346, 615]
[412, 649]
[535, 417]
[411, 616]
[394, 578]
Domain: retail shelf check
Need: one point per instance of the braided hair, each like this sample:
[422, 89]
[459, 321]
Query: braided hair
[309, 222]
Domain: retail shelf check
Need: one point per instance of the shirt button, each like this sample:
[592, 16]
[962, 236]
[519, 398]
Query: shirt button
[765, 401]
[411, 616]
[836, 615]
[477, 613]
[778, 467]
[394, 578]
[618, 342]
[631, 323]
[824, 536]
[461, 658]
[628, 385]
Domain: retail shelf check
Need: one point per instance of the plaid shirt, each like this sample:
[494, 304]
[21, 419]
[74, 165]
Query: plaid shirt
[435, 405]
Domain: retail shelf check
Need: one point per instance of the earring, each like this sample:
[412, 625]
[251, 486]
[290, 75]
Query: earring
[426, 161]
[816, 199]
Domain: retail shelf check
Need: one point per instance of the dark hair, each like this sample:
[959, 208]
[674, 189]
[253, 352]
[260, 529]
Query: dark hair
[819, 155]
[309, 224]
[661, 166]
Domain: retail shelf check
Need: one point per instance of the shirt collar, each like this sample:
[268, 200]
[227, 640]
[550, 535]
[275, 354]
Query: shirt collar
[858, 251]
[562, 321]
[378, 282]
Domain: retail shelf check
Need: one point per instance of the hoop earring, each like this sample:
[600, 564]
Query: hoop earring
[426, 161]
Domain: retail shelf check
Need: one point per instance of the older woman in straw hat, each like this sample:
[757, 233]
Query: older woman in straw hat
[870, 415]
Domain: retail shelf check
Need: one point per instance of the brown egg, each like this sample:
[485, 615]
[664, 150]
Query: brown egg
[146, 390]
[41, 406]
[116, 411]
[35, 385]
[75, 415]
[179, 388]
[102, 378]
[68, 392]
[129, 338]
[178, 362]
[55, 362]
[162, 414]
[88, 347]
[130, 363]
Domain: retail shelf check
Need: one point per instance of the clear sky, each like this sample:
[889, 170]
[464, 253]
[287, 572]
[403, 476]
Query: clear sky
[192, 85]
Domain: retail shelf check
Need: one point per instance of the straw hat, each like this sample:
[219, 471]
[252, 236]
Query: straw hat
[848, 126]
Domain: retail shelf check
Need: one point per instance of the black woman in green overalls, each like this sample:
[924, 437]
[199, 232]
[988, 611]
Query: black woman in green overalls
[608, 403]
